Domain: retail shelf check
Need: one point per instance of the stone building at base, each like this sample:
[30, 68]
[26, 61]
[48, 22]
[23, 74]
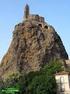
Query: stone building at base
[63, 82]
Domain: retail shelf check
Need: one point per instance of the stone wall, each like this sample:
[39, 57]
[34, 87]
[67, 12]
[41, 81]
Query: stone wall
[36, 18]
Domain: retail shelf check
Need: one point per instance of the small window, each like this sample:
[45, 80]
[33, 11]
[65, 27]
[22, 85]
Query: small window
[62, 80]
[40, 25]
[62, 84]
[46, 27]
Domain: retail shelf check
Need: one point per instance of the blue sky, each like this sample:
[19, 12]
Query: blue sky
[56, 13]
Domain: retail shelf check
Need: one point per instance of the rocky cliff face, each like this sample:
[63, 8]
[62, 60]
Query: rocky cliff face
[34, 44]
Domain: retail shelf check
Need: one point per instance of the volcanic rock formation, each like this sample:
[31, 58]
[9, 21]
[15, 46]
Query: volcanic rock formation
[34, 44]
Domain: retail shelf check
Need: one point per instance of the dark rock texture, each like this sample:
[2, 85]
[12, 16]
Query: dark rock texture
[34, 44]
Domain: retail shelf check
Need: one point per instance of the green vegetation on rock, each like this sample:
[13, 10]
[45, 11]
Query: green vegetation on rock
[39, 82]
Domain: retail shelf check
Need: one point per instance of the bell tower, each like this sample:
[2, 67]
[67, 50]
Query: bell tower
[26, 11]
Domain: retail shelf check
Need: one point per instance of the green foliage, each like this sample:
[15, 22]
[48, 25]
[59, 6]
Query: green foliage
[40, 82]
[43, 84]
[10, 90]
[24, 81]
[43, 81]
[53, 67]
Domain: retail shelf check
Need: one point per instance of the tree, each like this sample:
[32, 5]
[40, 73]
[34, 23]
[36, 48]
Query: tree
[52, 67]
[43, 84]
[43, 81]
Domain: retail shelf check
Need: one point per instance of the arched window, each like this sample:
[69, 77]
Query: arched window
[40, 25]
[46, 27]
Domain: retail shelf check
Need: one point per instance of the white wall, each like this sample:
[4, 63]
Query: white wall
[63, 83]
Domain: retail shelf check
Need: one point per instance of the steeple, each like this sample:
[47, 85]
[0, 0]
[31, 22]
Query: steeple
[26, 11]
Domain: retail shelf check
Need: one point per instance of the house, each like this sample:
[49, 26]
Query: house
[63, 82]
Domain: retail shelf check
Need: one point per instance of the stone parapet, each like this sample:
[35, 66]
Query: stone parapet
[36, 18]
